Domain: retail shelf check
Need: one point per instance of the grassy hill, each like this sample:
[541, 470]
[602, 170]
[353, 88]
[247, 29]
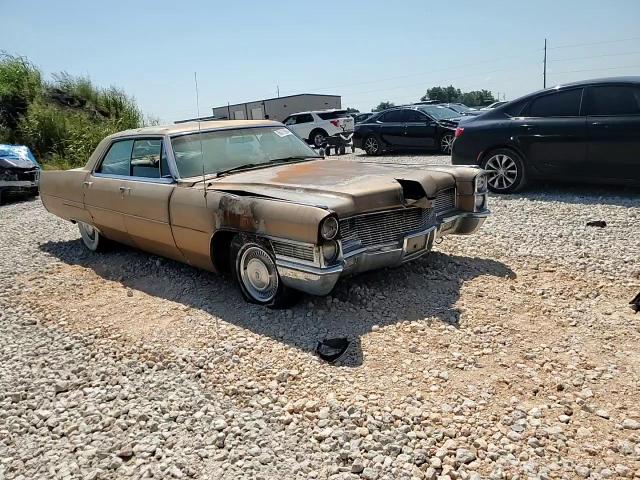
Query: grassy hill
[61, 120]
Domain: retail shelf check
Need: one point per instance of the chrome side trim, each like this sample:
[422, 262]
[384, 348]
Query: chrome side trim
[167, 181]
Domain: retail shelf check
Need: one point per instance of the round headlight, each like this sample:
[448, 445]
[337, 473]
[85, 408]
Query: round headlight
[330, 251]
[481, 183]
[329, 228]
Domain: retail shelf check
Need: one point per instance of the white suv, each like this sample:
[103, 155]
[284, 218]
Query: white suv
[315, 126]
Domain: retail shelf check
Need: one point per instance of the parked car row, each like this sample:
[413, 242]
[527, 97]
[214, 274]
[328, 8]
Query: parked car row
[585, 131]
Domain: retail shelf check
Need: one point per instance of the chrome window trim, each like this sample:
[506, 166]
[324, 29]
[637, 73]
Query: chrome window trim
[165, 181]
[170, 160]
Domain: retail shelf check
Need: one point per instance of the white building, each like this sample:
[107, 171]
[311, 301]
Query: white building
[277, 108]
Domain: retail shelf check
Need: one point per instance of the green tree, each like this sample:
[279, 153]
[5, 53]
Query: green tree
[442, 94]
[477, 98]
[383, 106]
[451, 94]
[352, 110]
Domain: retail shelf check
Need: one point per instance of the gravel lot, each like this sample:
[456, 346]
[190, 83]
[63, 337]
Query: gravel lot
[509, 354]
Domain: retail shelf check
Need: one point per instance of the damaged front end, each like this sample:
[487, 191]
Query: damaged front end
[384, 238]
[19, 171]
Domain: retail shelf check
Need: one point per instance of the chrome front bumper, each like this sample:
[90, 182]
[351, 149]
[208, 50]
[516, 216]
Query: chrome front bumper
[320, 281]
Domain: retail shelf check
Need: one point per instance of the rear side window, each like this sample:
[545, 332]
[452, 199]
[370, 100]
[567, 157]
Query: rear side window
[333, 115]
[414, 116]
[394, 116]
[116, 161]
[560, 104]
[613, 100]
[514, 109]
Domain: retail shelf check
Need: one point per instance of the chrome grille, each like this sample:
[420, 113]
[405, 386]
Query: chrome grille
[382, 227]
[302, 252]
[445, 200]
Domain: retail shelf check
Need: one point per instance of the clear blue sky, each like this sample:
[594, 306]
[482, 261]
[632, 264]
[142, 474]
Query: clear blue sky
[366, 51]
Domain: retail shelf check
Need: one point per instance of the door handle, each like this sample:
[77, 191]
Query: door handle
[124, 190]
[599, 124]
[87, 184]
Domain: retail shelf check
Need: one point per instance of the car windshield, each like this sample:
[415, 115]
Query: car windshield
[223, 150]
[439, 112]
[460, 108]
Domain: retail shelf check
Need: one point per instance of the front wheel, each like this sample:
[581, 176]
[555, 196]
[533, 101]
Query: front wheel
[257, 276]
[371, 145]
[446, 143]
[91, 237]
[506, 171]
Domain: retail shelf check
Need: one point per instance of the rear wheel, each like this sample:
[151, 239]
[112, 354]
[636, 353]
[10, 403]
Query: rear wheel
[91, 237]
[446, 143]
[371, 145]
[257, 276]
[506, 171]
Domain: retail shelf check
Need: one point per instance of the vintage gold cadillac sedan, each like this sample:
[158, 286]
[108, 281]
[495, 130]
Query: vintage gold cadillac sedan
[252, 199]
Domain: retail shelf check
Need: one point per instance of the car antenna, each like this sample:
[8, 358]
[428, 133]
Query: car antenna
[204, 182]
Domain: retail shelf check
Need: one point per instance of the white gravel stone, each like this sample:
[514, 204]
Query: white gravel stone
[491, 357]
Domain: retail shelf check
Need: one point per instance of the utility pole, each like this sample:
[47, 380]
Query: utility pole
[544, 72]
[278, 90]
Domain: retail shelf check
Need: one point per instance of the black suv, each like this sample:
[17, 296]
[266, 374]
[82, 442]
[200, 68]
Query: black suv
[585, 131]
[423, 127]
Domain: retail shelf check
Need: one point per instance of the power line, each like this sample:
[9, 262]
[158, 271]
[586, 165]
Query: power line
[595, 43]
[596, 69]
[291, 91]
[595, 56]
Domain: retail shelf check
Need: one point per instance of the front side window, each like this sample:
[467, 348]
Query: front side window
[560, 104]
[394, 116]
[613, 100]
[117, 159]
[145, 158]
[290, 120]
[220, 150]
[304, 118]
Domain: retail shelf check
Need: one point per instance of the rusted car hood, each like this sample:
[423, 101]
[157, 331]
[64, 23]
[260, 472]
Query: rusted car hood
[343, 186]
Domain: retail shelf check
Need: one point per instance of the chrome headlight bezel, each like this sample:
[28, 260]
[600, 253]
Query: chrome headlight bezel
[329, 228]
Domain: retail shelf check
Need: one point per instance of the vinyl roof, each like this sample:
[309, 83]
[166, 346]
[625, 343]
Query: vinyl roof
[190, 127]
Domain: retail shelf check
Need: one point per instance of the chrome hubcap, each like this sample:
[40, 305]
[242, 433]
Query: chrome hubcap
[370, 145]
[447, 143]
[503, 171]
[258, 274]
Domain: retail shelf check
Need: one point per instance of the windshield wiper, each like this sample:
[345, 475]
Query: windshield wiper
[289, 159]
[246, 166]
